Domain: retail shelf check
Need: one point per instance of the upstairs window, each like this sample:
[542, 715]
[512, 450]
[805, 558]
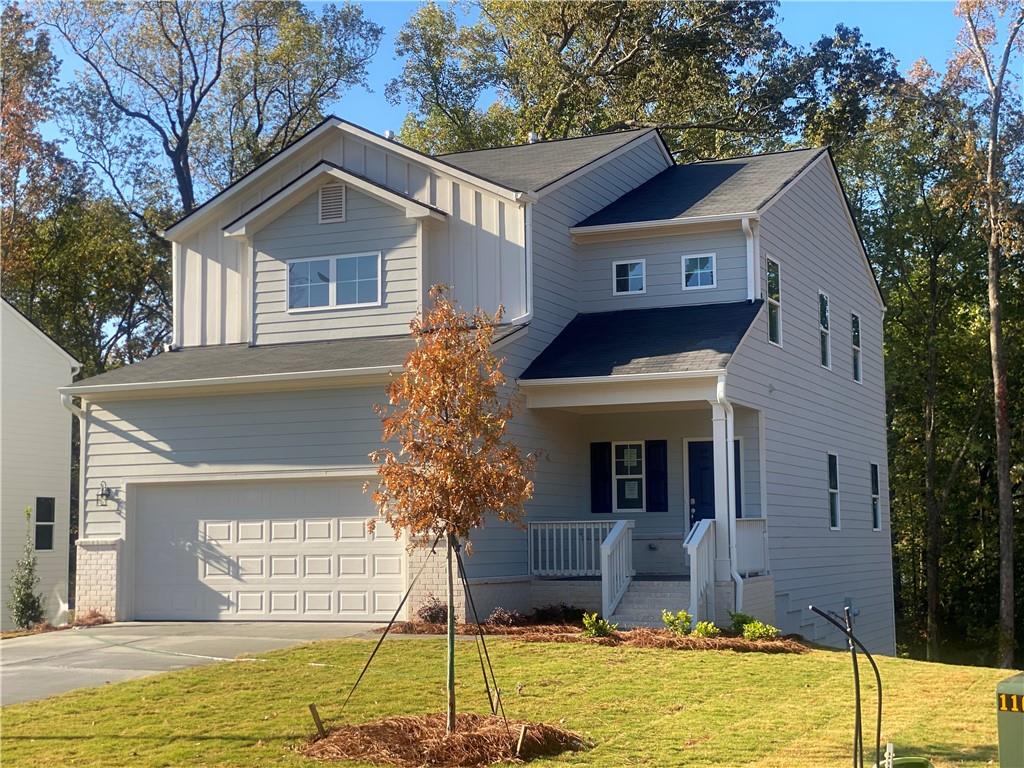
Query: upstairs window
[332, 203]
[45, 519]
[628, 472]
[824, 332]
[629, 277]
[338, 282]
[699, 271]
[833, 492]
[774, 303]
[876, 510]
[855, 342]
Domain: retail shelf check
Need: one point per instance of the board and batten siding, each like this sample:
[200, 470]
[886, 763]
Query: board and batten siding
[480, 249]
[811, 411]
[663, 258]
[370, 226]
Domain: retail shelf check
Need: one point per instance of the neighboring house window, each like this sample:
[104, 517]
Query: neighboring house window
[628, 475]
[45, 508]
[833, 492]
[629, 277]
[825, 333]
[338, 282]
[332, 203]
[699, 271]
[855, 340]
[774, 303]
[876, 510]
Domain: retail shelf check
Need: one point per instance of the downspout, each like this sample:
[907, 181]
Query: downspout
[752, 280]
[730, 437]
[67, 402]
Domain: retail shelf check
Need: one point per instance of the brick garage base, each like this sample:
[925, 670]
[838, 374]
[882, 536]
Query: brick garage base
[97, 562]
[434, 579]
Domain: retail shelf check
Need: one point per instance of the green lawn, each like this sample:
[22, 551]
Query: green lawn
[638, 707]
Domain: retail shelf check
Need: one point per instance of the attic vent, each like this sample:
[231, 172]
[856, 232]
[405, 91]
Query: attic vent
[332, 203]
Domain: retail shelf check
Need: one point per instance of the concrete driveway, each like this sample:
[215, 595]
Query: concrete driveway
[38, 666]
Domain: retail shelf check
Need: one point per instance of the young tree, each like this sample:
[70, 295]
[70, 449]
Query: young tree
[449, 410]
[987, 62]
[26, 605]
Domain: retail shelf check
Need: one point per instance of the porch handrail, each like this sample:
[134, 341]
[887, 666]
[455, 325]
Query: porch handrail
[700, 547]
[616, 566]
[752, 546]
[566, 548]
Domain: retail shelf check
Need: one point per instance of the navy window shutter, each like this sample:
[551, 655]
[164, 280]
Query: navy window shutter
[656, 454]
[739, 479]
[601, 478]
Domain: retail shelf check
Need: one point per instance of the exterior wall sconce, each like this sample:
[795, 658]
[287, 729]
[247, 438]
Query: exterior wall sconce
[104, 494]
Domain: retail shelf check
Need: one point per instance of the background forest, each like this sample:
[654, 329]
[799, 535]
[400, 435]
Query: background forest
[172, 101]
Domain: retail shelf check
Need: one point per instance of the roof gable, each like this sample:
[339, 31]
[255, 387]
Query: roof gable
[12, 314]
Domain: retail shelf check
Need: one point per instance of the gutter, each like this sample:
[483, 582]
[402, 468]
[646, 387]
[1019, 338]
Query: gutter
[681, 221]
[624, 377]
[730, 437]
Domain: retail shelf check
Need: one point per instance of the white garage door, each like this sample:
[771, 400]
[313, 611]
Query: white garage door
[277, 551]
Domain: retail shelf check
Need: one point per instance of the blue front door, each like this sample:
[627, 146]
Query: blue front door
[701, 477]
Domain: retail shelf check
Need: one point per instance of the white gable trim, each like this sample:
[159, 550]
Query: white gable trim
[50, 343]
[279, 202]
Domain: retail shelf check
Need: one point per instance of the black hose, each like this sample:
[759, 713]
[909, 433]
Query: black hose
[858, 729]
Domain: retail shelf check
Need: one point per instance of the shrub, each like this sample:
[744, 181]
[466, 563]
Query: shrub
[595, 626]
[433, 611]
[558, 614]
[739, 621]
[677, 623]
[758, 630]
[706, 629]
[501, 617]
[25, 604]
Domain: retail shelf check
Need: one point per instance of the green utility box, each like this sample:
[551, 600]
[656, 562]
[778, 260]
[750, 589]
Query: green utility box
[1010, 718]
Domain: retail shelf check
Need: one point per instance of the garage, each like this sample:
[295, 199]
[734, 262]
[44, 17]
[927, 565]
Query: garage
[288, 550]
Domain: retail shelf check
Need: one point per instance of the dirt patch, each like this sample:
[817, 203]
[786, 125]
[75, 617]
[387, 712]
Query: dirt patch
[634, 638]
[421, 741]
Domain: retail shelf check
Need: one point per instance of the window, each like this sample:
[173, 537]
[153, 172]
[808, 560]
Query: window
[833, 492]
[628, 472]
[855, 341]
[699, 271]
[337, 282]
[823, 327]
[44, 523]
[774, 303]
[332, 203]
[629, 277]
[876, 510]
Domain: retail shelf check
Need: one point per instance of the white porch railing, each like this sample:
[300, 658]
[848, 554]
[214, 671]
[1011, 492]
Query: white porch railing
[567, 548]
[752, 546]
[616, 566]
[700, 547]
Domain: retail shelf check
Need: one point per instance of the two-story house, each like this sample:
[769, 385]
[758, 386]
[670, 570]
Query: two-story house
[699, 347]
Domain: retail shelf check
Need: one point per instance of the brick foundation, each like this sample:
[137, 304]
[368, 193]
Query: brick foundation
[97, 562]
[433, 580]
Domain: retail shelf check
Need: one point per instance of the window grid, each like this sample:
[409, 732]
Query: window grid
[774, 302]
[833, 492]
[824, 331]
[628, 475]
[855, 342]
[629, 277]
[314, 284]
[699, 271]
[44, 525]
[876, 509]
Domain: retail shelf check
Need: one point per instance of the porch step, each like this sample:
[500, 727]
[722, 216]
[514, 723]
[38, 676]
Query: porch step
[644, 601]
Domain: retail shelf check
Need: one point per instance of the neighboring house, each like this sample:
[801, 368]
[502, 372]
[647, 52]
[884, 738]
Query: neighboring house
[700, 349]
[35, 458]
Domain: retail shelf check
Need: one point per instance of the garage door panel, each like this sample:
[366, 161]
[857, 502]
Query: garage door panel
[240, 550]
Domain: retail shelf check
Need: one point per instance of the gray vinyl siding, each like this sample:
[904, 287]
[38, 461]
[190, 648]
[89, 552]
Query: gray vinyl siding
[811, 411]
[664, 265]
[369, 226]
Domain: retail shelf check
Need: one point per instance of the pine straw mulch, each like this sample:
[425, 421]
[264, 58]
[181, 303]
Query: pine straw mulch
[641, 637]
[89, 619]
[478, 740]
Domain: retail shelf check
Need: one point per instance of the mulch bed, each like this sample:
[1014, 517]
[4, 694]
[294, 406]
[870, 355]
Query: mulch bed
[634, 638]
[90, 619]
[421, 741]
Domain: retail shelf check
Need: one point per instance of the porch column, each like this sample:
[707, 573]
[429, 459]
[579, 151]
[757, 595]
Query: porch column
[720, 433]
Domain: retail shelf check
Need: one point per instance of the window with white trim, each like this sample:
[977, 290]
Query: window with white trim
[629, 277]
[774, 279]
[699, 271]
[855, 343]
[824, 331]
[876, 508]
[45, 521]
[628, 475]
[833, 492]
[339, 282]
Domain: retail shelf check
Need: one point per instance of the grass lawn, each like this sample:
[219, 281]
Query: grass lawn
[639, 707]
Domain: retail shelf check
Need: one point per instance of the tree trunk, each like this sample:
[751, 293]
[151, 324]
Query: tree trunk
[450, 722]
[933, 522]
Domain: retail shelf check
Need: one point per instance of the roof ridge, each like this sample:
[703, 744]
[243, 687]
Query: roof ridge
[544, 141]
[755, 154]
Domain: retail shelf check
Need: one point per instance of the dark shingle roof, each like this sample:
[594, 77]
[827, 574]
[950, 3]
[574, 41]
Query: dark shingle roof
[630, 341]
[531, 167]
[193, 364]
[716, 187]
